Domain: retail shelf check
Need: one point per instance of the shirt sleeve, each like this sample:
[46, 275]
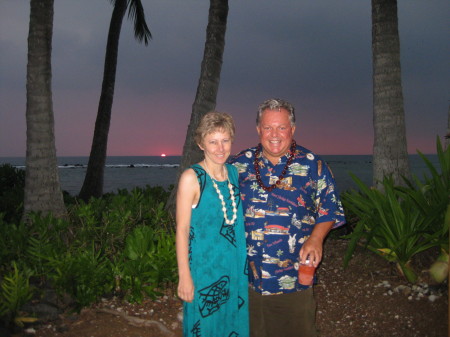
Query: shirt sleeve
[327, 201]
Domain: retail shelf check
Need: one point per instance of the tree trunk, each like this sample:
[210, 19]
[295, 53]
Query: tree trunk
[93, 181]
[42, 187]
[390, 156]
[208, 86]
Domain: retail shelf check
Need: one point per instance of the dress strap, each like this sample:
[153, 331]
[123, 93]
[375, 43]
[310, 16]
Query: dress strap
[201, 177]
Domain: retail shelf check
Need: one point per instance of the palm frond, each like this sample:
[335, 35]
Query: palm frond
[137, 15]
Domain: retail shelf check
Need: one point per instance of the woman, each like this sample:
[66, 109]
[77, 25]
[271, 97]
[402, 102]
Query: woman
[210, 237]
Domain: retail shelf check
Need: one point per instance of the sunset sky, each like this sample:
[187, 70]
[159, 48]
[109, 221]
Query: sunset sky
[313, 53]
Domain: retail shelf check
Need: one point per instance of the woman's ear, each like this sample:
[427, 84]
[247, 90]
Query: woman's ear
[200, 146]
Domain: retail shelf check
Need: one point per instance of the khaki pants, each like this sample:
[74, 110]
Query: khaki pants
[286, 315]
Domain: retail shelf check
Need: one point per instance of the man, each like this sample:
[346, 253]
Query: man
[290, 204]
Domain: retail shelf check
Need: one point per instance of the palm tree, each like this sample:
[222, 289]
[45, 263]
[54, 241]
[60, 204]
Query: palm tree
[93, 181]
[208, 85]
[254, 187]
[390, 156]
[42, 187]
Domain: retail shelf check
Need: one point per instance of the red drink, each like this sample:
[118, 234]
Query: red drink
[306, 273]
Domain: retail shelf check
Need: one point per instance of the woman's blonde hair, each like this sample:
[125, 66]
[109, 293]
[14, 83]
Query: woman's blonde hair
[212, 122]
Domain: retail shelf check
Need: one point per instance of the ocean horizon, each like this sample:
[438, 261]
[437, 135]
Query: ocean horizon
[128, 172]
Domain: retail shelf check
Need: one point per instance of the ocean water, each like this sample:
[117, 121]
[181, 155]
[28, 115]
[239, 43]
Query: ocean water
[128, 172]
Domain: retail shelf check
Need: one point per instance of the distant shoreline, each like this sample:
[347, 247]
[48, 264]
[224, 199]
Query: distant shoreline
[162, 171]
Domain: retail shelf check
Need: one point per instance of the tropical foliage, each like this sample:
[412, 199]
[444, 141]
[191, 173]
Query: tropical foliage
[15, 291]
[122, 244]
[399, 222]
[12, 183]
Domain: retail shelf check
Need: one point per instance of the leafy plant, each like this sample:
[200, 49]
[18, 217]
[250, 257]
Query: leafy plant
[148, 262]
[44, 242]
[109, 220]
[122, 241]
[400, 222]
[14, 293]
[164, 256]
[95, 223]
[390, 226]
[12, 183]
[13, 242]
[432, 196]
[83, 274]
[139, 273]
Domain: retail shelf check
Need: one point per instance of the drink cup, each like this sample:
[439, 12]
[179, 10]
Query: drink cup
[306, 273]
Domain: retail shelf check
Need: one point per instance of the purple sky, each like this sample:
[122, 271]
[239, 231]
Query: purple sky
[316, 54]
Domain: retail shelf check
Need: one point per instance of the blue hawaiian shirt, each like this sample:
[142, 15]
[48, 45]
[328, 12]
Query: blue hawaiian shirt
[277, 223]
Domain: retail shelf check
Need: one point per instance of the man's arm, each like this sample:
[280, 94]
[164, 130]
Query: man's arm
[312, 249]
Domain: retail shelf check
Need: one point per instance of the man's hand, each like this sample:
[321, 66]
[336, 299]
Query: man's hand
[312, 249]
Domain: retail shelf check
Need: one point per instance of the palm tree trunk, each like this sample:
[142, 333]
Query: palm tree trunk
[93, 181]
[42, 186]
[208, 85]
[390, 156]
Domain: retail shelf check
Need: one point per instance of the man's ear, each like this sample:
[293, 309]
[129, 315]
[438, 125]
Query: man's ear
[258, 129]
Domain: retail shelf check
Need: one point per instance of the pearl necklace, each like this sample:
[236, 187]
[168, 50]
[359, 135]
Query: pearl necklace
[280, 178]
[233, 203]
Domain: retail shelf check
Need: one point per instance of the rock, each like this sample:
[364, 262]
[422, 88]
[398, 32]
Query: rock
[44, 311]
[405, 290]
[180, 316]
[30, 331]
[432, 298]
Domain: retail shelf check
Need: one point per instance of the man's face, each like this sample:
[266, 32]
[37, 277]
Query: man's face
[275, 133]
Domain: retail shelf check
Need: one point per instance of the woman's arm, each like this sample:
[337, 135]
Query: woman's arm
[187, 195]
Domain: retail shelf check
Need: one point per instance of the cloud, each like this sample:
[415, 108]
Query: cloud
[316, 54]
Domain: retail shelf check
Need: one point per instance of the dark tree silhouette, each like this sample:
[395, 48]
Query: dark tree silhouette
[208, 85]
[93, 181]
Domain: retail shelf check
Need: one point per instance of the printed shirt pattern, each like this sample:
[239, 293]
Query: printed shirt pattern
[277, 223]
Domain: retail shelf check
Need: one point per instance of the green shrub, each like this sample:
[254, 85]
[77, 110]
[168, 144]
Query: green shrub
[46, 240]
[12, 183]
[148, 261]
[15, 291]
[83, 274]
[107, 221]
[432, 196]
[389, 224]
[400, 222]
[123, 242]
[164, 256]
[13, 243]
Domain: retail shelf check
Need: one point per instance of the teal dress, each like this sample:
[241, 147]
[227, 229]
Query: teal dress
[217, 259]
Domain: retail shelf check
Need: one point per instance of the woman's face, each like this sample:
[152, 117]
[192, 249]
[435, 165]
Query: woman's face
[217, 146]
